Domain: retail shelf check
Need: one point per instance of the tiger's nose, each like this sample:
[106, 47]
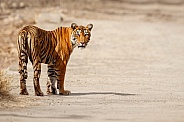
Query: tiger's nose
[82, 43]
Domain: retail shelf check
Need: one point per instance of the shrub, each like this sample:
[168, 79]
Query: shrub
[4, 84]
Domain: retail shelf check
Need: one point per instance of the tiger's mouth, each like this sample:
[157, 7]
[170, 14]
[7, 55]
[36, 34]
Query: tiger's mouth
[82, 45]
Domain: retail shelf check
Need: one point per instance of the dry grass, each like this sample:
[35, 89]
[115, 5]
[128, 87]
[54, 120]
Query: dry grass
[4, 85]
[7, 100]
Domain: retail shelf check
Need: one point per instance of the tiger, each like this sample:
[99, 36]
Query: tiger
[52, 48]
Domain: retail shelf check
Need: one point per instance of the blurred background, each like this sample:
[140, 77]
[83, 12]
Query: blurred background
[14, 14]
[132, 70]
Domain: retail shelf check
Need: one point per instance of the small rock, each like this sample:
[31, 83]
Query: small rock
[22, 5]
[16, 5]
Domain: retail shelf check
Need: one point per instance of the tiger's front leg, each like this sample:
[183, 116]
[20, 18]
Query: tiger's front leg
[60, 79]
[51, 79]
[37, 72]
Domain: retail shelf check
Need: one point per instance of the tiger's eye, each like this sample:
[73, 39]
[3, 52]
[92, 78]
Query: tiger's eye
[78, 32]
[86, 32]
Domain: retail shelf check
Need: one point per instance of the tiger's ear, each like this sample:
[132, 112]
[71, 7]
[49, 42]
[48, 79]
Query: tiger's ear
[73, 26]
[89, 26]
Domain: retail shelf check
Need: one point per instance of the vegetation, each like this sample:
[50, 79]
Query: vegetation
[4, 84]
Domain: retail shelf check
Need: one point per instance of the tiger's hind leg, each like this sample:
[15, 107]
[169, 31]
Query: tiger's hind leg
[51, 79]
[37, 72]
[23, 60]
[23, 76]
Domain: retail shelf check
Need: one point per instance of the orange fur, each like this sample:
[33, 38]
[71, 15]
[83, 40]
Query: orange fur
[50, 47]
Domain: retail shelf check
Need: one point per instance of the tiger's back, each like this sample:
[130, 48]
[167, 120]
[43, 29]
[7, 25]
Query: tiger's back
[42, 45]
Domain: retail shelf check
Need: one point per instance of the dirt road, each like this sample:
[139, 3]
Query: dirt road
[130, 71]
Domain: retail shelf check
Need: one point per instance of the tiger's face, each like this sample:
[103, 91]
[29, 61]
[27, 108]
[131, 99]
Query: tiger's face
[81, 35]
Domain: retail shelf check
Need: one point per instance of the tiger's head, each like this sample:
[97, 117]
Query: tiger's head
[80, 35]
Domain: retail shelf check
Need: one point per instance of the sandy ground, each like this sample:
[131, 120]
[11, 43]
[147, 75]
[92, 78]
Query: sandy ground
[132, 70]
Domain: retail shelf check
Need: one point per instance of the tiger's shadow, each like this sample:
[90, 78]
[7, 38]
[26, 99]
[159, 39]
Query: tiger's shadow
[102, 93]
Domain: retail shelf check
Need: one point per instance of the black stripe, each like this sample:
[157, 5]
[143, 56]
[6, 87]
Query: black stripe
[47, 59]
[51, 74]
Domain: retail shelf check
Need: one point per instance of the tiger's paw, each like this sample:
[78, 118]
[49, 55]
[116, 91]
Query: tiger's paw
[66, 92]
[54, 92]
[39, 94]
[24, 92]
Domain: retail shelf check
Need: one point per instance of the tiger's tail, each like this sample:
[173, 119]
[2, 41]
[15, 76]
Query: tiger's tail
[23, 54]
